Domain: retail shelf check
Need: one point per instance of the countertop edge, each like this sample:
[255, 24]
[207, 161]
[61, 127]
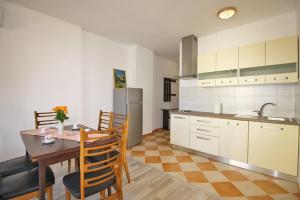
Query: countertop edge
[294, 122]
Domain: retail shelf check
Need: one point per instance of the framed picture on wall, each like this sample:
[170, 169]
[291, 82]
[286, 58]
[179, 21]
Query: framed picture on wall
[119, 78]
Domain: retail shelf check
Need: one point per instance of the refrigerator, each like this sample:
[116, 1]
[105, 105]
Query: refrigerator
[129, 101]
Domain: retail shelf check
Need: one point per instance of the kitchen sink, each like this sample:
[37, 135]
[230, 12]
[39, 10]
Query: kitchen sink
[276, 118]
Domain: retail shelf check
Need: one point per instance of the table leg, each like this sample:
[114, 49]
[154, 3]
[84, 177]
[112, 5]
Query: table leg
[42, 180]
[77, 164]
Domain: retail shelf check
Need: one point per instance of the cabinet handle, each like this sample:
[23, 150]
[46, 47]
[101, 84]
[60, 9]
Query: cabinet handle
[237, 124]
[270, 127]
[280, 78]
[203, 138]
[204, 130]
[179, 117]
[203, 121]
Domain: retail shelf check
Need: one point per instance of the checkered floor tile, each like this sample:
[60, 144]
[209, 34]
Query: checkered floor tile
[227, 181]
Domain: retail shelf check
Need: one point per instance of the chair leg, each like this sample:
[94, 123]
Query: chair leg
[68, 195]
[125, 164]
[102, 194]
[69, 165]
[49, 193]
[109, 191]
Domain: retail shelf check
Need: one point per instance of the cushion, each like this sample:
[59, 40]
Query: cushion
[16, 165]
[72, 183]
[23, 182]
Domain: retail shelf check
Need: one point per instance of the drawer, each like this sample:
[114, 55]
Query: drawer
[206, 130]
[249, 80]
[282, 78]
[204, 143]
[226, 81]
[205, 121]
[206, 83]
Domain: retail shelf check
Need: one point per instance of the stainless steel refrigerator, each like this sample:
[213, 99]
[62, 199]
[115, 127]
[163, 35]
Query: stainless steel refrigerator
[129, 101]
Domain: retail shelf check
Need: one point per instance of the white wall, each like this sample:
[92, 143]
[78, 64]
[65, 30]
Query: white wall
[100, 57]
[242, 99]
[163, 68]
[141, 76]
[40, 67]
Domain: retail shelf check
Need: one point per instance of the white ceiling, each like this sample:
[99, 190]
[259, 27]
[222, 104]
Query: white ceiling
[156, 24]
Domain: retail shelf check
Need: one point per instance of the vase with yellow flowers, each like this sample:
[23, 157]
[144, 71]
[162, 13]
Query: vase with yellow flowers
[61, 116]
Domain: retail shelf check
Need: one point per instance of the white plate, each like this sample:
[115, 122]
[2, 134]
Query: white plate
[48, 141]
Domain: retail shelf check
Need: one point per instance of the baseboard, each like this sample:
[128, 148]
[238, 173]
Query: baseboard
[153, 131]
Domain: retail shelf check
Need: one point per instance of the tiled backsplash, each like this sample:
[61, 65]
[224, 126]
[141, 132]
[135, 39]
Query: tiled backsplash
[243, 99]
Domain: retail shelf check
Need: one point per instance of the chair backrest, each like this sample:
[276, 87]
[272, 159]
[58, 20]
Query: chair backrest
[94, 143]
[105, 121]
[44, 118]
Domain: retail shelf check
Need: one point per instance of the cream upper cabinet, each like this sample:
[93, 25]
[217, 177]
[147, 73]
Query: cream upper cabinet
[253, 55]
[274, 146]
[227, 59]
[281, 51]
[234, 140]
[206, 62]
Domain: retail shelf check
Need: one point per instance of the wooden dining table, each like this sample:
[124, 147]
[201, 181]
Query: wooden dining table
[48, 154]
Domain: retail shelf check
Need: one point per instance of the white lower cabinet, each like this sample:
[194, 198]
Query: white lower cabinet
[234, 140]
[180, 130]
[204, 143]
[274, 146]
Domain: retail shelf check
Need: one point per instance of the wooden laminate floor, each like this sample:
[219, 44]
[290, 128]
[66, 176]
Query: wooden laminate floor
[148, 183]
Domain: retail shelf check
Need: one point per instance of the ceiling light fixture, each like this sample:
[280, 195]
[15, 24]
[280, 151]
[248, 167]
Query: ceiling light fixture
[227, 12]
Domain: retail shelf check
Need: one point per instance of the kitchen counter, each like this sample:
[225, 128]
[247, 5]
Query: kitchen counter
[233, 117]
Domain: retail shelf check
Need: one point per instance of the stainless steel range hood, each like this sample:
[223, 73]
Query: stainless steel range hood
[188, 57]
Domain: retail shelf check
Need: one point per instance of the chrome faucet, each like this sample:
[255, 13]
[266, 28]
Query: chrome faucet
[260, 112]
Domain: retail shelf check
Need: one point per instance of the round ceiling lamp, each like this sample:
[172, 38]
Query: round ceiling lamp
[227, 13]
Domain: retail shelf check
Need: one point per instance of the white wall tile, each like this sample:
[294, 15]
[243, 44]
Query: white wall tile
[286, 90]
[244, 99]
[244, 91]
[265, 90]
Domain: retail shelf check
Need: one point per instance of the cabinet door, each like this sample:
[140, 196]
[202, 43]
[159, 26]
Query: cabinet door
[227, 59]
[274, 146]
[282, 78]
[234, 140]
[206, 83]
[180, 131]
[281, 51]
[253, 55]
[206, 62]
[251, 80]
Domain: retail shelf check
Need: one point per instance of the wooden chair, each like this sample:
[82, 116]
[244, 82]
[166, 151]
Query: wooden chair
[45, 119]
[98, 176]
[109, 121]
[118, 121]
[24, 185]
[105, 121]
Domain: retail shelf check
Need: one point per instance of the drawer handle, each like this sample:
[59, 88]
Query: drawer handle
[203, 138]
[281, 78]
[204, 130]
[203, 121]
[179, 117]
[273, 128]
